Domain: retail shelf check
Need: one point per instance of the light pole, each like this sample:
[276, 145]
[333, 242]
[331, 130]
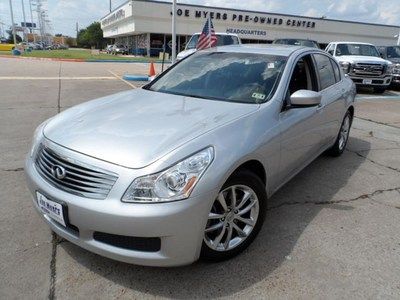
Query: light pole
[173, 31]
[31, 30]
[23, 13]
[13, 24]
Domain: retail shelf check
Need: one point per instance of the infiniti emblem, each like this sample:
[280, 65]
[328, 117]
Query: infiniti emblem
[58, 172]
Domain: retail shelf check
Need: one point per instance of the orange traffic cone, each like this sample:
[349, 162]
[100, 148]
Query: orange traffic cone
[152, 72]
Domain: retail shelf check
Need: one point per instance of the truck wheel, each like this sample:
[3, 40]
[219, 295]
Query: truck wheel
[379, 90]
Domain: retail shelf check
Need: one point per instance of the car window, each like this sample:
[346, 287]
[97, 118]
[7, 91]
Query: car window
[393, 52]
[303, 76]
[336, 70]
[330, 49]
[192, 42]
[226, 76]
[356, 49]
[325, 71]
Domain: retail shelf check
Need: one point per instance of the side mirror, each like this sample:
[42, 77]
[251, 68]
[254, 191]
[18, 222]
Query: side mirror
[305, 98]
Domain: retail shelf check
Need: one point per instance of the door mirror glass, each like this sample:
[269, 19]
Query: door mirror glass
[305, 98]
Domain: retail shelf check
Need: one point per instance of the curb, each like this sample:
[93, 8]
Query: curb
[136, 77]
[83, 60]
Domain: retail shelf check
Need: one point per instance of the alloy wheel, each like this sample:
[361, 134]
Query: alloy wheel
[232, 218]
[344, 132]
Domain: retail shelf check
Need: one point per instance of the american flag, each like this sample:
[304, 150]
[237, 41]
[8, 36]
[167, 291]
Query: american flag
[207, 37]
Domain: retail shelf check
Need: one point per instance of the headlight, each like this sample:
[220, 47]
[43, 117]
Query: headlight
[390, 69]
[345, 65]
[37, 137]
[174, 183]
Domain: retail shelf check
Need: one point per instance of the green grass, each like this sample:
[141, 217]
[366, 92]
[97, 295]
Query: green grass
[74, 54]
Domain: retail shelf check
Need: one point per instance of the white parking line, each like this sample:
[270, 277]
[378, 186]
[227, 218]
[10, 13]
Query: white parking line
[57, 78]
[120, 78]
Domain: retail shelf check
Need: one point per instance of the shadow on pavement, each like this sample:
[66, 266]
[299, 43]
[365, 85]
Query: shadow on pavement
[290, 211]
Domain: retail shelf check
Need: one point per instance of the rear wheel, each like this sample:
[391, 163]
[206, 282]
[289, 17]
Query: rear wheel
[343, 136]
[235, 218]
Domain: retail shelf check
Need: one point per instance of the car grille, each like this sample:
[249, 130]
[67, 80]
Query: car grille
[364, 69]
[74, 177]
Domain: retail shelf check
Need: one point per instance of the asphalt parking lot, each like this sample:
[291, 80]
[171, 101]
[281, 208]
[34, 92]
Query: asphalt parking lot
[331, 232]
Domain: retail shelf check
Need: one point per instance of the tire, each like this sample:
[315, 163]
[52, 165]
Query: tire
[343, 136]
[241, 182]
[378, 90]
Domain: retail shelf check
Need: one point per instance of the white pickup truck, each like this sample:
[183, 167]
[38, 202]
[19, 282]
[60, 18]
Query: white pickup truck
[362, 62]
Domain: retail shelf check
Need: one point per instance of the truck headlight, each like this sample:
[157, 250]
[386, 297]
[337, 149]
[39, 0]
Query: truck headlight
[345, 65]
[390, 69]
[174, 183]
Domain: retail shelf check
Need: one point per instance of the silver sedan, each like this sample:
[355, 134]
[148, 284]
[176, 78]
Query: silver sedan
[184, 167]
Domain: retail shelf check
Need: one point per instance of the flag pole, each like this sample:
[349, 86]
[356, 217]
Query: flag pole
[209, 32]
[173, 31]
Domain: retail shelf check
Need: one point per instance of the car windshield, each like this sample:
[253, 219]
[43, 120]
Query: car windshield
[393, 52]
[222, 40]
[306, 43]
[226, 76]
[356, 49]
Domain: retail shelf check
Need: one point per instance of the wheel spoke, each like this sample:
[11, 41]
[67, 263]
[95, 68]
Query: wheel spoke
[247, 208]
[221, 200]
[214, 227]
[228, 237]
[245, 220]
[233, 200]
[246, 197]
[219, 237]
[213, 216]
[240, 232]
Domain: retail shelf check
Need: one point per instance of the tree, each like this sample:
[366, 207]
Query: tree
[10, 38]
[58, 34]
[91, 36]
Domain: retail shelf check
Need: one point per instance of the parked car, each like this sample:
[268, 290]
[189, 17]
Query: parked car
[297, 42]
[223, 39]
[362, 62]
[392, 54]
[109, 49]
[120, 49]
[184, 167]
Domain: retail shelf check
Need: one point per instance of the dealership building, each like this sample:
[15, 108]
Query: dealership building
[144, 26]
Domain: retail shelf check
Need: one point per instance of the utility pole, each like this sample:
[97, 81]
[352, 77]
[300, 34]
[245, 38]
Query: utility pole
[31, 30]
[173, 31]
[110, 6]
[24, 27]
[13, 24]
[77, 29]
[398, 38]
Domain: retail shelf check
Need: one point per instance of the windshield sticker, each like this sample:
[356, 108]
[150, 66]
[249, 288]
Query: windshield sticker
[258, 96]
[271, 66]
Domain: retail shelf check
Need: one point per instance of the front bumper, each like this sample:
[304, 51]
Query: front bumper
[372, 81]
[179, 225]
[396, 79]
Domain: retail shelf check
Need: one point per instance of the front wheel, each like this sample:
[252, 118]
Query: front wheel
[343, 136]
[235, 218]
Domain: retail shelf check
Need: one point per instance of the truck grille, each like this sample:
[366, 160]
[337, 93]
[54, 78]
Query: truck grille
[364, 69]
[72, 176]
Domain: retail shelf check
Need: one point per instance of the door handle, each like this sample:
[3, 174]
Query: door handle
[320, 106]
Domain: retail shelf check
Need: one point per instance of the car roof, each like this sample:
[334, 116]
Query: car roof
[356, 43]
[217, 33]
[272, 49]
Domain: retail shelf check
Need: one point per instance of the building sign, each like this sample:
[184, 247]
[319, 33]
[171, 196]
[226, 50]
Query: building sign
[28, 25]
[118, 15]
[245, 18]
[246, 31]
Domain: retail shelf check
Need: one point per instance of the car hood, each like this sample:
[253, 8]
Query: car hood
[395, 60]
[184, 53]
[138, 127]
[361, 59]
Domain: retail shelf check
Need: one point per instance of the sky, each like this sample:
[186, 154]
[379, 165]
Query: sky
[65, 13]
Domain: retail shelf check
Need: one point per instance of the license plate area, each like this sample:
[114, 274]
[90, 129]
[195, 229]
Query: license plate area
[52, 209]
[367, 81]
